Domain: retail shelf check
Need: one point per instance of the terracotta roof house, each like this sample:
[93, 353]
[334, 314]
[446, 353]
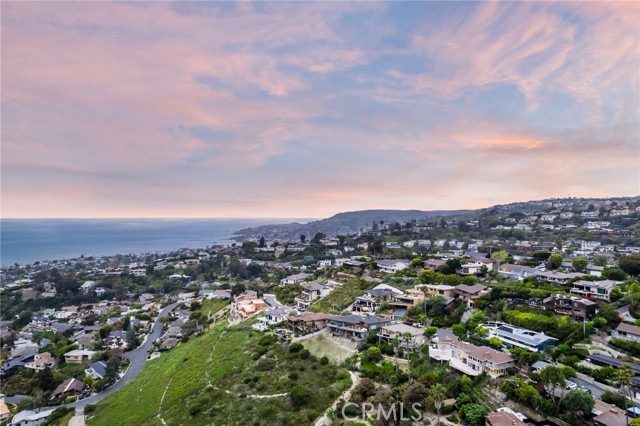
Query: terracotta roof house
[498, 418]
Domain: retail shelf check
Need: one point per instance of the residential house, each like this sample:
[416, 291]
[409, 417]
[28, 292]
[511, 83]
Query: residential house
[511, 336]
[42, 361]
[433, 290]
[78, 356]
[70, 387]
[23, 346]
[31, 417]
[311, 293]
[590, 215]
[596, 289]
[502, 418]
[12, 365]
[246, 304]
[294, 279]
[538, 366]
[355, 327]
[87, 286]
[271, 317]
[433, 264]
[391, 266]
[354, 265]
[476, 266]
[411, 338]
[556, 277]
[370, 302]
[627, 332]
[468, 358]
[216, 294]
[5, 413]
[97, 370]
[470, 293]
[518, 272]
[609, 415]
[173, 332]
[308, 322]
[576, 307]
[116, 340]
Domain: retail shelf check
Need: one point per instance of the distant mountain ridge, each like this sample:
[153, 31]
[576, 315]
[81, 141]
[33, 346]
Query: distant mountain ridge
[341, 223]
[352, 222]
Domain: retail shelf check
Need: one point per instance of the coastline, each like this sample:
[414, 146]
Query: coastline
[27, 241]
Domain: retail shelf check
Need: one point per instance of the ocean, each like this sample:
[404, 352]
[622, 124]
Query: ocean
[26, 241]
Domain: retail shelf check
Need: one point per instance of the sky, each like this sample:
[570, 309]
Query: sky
[307, 109]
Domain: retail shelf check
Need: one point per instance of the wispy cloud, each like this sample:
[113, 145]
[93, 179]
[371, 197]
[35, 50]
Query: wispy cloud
[293, 109]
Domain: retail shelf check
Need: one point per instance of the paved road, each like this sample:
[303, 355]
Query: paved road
[137, 357]
[596, 390]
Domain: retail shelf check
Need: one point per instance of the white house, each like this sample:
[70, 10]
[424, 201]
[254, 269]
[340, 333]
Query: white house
[391, 266]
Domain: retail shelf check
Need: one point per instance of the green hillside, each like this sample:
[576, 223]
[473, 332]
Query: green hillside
[228, 376]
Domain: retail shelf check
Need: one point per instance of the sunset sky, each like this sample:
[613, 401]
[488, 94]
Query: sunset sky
[269, 109]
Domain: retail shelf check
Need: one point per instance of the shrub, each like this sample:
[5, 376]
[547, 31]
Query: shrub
[300, 396]
[295, 348]
[265, 364]
[304, 354]
[324, 360]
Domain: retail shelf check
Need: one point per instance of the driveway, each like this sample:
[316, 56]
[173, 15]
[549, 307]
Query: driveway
[136, 357]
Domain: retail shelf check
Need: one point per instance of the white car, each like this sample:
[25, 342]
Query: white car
[571, 385]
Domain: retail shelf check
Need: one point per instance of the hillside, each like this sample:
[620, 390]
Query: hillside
[340, 224]
[352, 222]
[228, 376]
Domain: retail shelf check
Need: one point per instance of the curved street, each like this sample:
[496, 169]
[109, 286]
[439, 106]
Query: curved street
[136, 358]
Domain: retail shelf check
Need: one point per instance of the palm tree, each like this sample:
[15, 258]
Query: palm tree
[438, 395]
[407, 339]
[395, 342]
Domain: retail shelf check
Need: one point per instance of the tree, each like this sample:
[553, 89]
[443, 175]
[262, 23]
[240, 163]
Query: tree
[376, 247]
[630, 264]
[616, 274]
[500, 256]
[407, 338]
[417, 392]
[541, 255]
[132, 339]
[319, 236]
[438, 394]
[624, 378]
[495, 342]
[395, 342]
[374, 354]
[579, 402]
[261, 243]
[555, 260]
[300, 395]
[474, 413]
[552, 379]
[579, 264]
[303, 238]
[429, 332]
[45, 380]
